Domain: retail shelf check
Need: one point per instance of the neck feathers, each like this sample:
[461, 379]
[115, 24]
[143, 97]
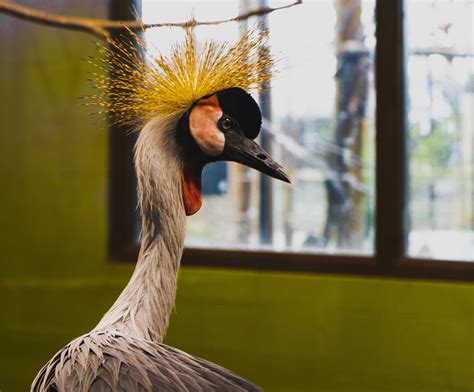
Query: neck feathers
[143, 308]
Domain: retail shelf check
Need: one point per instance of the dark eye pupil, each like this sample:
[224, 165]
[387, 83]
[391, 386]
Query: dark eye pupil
[226, 123]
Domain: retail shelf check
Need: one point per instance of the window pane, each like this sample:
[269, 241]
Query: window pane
[440, 125]
[319, 125]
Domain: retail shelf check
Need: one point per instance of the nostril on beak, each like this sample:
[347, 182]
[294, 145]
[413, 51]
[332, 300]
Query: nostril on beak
[261, 156]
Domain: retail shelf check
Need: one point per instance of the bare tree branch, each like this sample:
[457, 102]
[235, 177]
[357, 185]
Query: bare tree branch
[97, 27]
[103, 27]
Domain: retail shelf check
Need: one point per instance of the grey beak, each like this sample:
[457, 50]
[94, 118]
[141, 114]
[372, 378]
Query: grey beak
[245, 151]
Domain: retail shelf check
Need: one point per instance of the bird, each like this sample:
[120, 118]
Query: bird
[193, 108]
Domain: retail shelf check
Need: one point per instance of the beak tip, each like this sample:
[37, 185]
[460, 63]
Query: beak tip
[284, 177]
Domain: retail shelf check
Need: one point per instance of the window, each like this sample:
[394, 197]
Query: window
[320, 123]
[440, 129]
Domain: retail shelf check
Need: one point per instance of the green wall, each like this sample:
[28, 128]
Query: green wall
[286, 332]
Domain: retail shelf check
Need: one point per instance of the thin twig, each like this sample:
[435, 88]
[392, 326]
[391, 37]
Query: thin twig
[103, 27]
[97, 27]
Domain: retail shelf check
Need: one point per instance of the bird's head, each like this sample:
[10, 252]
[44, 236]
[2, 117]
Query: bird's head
[221, 127]
[200, 97]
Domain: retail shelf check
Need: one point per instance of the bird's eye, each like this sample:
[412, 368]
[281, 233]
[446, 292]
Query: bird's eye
[226, 123]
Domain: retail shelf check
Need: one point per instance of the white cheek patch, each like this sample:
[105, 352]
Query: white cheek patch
[203, 126]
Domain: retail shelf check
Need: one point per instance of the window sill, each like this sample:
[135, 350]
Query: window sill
[344, 264]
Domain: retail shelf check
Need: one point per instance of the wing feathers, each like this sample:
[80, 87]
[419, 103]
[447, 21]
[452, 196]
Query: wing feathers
[103, 362]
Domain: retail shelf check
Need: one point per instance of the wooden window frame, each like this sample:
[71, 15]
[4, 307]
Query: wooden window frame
[389, 259]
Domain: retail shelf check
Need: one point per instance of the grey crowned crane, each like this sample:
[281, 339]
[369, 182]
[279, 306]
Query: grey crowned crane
[195, 109]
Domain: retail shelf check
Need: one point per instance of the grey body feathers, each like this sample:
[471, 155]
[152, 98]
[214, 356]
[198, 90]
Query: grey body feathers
[124, 352]
[110, 361]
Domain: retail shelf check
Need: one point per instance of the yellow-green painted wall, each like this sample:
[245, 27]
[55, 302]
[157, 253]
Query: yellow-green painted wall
[286, 332]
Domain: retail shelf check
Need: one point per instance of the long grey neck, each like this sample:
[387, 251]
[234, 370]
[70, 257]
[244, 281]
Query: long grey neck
[144, 306]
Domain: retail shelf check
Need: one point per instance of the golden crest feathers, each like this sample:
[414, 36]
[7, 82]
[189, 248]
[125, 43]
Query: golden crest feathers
[134, 86]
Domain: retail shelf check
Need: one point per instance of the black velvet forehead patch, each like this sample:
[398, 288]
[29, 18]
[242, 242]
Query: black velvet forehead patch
[240, 105]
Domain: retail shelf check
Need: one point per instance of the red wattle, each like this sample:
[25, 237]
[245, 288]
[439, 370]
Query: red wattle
[191, 184]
